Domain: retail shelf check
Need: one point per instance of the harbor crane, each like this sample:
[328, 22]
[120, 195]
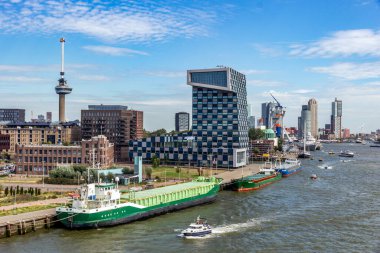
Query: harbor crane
[278, 118]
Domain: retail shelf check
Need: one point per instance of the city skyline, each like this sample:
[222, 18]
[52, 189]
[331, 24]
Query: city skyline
[137, 55]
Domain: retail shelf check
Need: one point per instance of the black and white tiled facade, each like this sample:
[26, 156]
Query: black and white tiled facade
[219, 135]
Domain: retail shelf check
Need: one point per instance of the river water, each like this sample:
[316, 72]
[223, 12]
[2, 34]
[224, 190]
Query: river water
[338, 212]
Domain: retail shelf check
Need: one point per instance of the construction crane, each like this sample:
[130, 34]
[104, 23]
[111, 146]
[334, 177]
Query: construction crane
[278, 117]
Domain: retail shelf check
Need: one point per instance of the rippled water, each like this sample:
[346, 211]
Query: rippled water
[338, 212]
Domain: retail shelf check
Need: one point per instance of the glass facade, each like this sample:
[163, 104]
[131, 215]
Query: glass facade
[217, 78]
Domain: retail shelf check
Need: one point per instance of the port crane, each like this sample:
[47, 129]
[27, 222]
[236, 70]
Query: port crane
[278, 118]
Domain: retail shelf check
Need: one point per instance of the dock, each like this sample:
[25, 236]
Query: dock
[21, 224]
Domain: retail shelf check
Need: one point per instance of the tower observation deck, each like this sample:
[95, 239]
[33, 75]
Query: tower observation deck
[62, 88]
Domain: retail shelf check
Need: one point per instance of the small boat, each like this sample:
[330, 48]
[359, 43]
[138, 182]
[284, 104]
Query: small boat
[346, 153]
[331, 153]
[375, 146]
[199, 228]
[320, 159]
[304, 155]
[313, 176]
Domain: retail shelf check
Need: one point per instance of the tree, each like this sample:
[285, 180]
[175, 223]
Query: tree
[80, 168]
[127, 170]
[256, 134]
[155, 161]
[6, 191]
[22, 190]
[148, 172]
[110, 177]
[17, 189]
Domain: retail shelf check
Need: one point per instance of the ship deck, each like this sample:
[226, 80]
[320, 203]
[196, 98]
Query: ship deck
[165, 190]
[255, 177]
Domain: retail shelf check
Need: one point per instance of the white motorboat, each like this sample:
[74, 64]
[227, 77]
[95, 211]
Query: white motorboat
[199, 228]
[346, 153]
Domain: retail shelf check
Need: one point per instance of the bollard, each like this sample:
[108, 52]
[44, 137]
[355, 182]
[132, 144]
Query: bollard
[8, 230]
[47, 222]
[24, 229]
[19, 228]
[34, 225]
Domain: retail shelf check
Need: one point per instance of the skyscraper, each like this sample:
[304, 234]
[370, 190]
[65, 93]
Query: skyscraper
[313, 108]
[220, 111]
[304, 122]
[182, 121]
[336, 118]
[251, 118]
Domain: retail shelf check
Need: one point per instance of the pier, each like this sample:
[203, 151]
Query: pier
[21, 224]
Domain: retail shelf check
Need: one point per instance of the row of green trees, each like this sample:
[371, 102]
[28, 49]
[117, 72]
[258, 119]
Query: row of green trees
[20, 190]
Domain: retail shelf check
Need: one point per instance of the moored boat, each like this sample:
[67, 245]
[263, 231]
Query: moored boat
[266, 176]
[289, 167]
[102, 204]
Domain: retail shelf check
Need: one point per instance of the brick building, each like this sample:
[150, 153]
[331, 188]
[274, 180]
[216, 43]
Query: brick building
[29, 133]
[30, 159]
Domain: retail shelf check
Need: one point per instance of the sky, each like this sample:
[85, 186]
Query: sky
[136, 53]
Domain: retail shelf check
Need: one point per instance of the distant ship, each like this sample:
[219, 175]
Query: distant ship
[346, 153]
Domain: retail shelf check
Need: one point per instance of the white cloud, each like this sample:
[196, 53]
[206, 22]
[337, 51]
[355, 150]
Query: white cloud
[362, 42]
[266, 50]
[93, 78]
[20, 79]
[253, 71]
[125, 21]
[351, 71]
[265, 83]
[115, 51]
[303, 91]
[167, 74]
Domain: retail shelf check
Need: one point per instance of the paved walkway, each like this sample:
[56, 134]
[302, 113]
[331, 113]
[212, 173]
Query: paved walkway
[27, 216]
[34, 203]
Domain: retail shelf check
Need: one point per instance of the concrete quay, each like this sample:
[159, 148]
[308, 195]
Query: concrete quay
[26, 222]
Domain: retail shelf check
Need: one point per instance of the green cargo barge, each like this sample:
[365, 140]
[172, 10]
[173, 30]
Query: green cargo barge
[101, 205]
[266, 176]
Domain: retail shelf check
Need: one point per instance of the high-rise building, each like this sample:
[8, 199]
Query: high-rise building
[62, 89]
[304, 122]
[116, 122]
[220, 111]
[251, 122]
[219, 135]
[12, 115]
[251, 118]
[313, 108]
[336, 118]
[272, 114]
[48, 117]
[182, 121]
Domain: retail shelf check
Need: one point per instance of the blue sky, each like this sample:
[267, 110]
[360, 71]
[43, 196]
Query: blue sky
[136, 53]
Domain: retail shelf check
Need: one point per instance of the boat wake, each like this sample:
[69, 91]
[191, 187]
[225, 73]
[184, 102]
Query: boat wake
[230, 228]
[346, 161]
[325, 167]
[236, 227]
